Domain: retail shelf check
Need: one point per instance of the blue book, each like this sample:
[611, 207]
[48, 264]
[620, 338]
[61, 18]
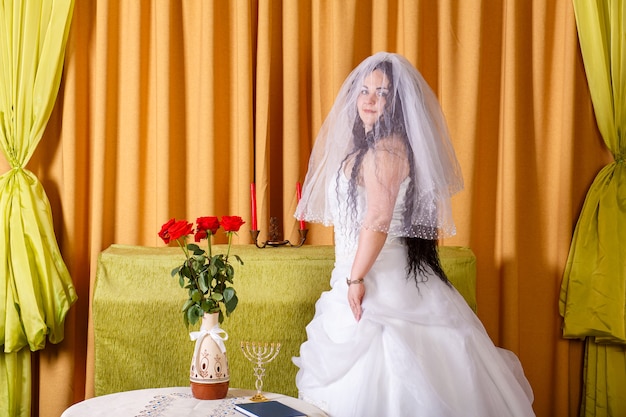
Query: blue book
[268, 409]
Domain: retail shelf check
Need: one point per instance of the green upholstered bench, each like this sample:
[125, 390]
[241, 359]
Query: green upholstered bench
[140, 340]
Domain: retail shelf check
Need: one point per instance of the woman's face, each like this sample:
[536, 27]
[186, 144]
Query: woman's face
[372, 98]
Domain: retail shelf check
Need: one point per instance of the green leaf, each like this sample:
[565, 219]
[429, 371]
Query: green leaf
[217, 296]
[229, 293]
[195, 249]
[203, 283]
[185, 270]
[176, 270]
[187, 304]
[218, 260]
[226, 277]
[239, 259]
[196, 296]
[203, 268]
[231, 305]
[230, 272]
[194, 314]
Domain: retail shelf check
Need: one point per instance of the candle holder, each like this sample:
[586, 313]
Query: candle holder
[274, 239]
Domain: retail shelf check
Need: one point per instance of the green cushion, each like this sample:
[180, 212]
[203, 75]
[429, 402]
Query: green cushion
[141, 341]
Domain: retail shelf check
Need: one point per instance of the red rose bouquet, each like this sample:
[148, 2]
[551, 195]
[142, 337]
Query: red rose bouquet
[207, 277]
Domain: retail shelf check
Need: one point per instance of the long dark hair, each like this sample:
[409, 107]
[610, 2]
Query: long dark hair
[422, 254]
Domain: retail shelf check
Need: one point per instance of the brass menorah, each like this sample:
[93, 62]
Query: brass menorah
[259, 354]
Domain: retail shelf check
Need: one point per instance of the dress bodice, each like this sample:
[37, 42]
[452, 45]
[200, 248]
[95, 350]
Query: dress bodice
[348, 224]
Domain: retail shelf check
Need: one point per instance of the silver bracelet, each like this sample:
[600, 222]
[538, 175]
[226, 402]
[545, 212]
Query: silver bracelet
[354, 281]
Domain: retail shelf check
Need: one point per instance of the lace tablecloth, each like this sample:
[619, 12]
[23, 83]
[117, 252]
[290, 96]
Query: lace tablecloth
[175, 402]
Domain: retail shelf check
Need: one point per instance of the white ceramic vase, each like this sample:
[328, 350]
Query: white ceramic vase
[209, 375]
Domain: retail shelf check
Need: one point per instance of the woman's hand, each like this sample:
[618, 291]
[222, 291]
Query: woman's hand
[356, 292]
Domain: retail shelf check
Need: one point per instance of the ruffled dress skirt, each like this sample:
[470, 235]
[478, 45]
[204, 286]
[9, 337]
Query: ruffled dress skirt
[418, 351]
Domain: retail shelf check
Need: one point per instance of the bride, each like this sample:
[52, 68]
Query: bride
[393, 337]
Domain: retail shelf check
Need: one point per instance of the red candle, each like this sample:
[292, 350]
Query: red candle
[253, 206]
[298, 197]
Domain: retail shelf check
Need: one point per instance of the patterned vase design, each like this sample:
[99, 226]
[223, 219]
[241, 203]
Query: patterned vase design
[209, 374]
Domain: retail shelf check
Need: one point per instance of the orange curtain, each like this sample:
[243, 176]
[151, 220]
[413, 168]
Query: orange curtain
[173, 108]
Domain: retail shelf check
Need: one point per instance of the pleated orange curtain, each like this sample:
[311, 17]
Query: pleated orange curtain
[171, 109]
[36, 290]
[593, 292]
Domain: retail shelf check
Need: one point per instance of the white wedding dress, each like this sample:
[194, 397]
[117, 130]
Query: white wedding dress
[418, 351]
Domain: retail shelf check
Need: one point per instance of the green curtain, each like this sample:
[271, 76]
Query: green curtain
[593, 291]
[36, 290]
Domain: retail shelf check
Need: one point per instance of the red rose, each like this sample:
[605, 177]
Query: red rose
[232, 223]
[176, 230]
[163, 234]
[208, 223]
[200, 234]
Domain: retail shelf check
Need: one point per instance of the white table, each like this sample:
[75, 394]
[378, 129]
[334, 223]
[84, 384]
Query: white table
[175, 402]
